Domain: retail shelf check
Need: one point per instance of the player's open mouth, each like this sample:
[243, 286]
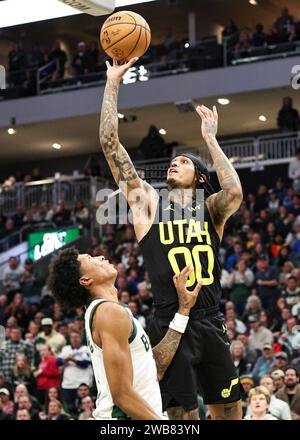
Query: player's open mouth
[172, 171]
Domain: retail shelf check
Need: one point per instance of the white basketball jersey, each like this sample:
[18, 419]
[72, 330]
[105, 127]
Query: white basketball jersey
[145, 381]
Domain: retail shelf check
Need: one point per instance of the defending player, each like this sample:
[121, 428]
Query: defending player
[126, 369]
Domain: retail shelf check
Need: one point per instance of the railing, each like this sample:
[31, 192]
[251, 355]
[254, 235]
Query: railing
[205, 54]
[50, 191]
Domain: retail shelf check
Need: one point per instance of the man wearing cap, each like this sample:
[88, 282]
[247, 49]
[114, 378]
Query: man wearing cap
[7, 404]
[259, 335]
[49, 336]
[281, 361]
[182, 229]
[278, 379]
[264, 363]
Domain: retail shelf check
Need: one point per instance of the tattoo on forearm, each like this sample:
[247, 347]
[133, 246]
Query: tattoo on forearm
[226, 173]
[117, 157]
[164, 352]
[226, 201]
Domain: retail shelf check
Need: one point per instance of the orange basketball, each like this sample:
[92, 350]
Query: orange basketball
[125, 35]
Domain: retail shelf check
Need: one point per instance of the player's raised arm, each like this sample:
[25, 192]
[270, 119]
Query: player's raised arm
[118, 159]
[113, 328]
[164, 352]
[227, 201]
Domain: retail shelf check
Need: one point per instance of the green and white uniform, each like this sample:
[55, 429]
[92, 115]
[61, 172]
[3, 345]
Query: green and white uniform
[145, 381]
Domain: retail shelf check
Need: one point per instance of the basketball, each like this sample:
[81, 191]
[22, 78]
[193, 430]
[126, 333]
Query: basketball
[125, 35]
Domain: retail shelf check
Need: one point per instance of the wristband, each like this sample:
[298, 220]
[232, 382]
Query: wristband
[179, 323]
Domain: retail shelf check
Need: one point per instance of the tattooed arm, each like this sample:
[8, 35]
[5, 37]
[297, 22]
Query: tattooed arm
[118, 159]
[227, 201]
[165, 350]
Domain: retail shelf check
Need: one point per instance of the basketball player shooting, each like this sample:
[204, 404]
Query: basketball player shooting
[203, 354]
[126, 369]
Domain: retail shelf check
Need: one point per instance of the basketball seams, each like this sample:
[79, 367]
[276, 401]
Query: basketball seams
[132, 24]
[125, 36]
[137, 41]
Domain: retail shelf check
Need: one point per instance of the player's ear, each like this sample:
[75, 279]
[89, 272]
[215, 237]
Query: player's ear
[85, 281]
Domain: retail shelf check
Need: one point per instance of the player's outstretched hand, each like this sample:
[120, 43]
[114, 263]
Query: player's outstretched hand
[186, 298]
[117, 70]
[209, 120]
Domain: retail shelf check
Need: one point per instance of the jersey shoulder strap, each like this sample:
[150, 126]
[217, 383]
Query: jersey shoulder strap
[90, 312]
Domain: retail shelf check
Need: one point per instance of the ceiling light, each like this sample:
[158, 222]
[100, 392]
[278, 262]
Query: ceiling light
[14, 12]
[187, 45]
[56, 146]
[223, 101]
[253, 2]
[121, 116]
[162, 131]
[11, 131]
[262, 118]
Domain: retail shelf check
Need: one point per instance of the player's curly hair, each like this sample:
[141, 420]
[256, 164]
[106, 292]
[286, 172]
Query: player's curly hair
[63, 279]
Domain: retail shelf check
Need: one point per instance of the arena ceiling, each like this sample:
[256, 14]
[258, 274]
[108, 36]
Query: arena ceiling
[80, 135]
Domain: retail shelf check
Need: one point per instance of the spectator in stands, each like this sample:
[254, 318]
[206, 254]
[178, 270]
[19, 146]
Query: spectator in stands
[7, 403]
[82, 62]
[36, 58]
[94, 54]
[60, 57]
[272, 37]
[25, 402]
[290, 392]
[47, 374]
[18, 309]
[152, 145]
[17, 64]
[283, 25]
[88, 407]
[31, 282]
[259, 335]
[239, 283]
[278, 408]
[266, 282]
[281, 361]
[76, 361]
[238, 353]
[297, 30]
[13, 346]
[80, 215]
[55, 411]
[288, 117]
[21, 373]
[62, 214]
[234, 257]
[264, 363]
[292, 292]
[250, 353]
[231, 30]
[3, 414]
[259, 401]
[23, 414]
[294, 172]
[12, 275]
[278, 379]
[259, 37]
[243, 45]
[82, 392]
[253, 307]
[247, 383]
[51, 337]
